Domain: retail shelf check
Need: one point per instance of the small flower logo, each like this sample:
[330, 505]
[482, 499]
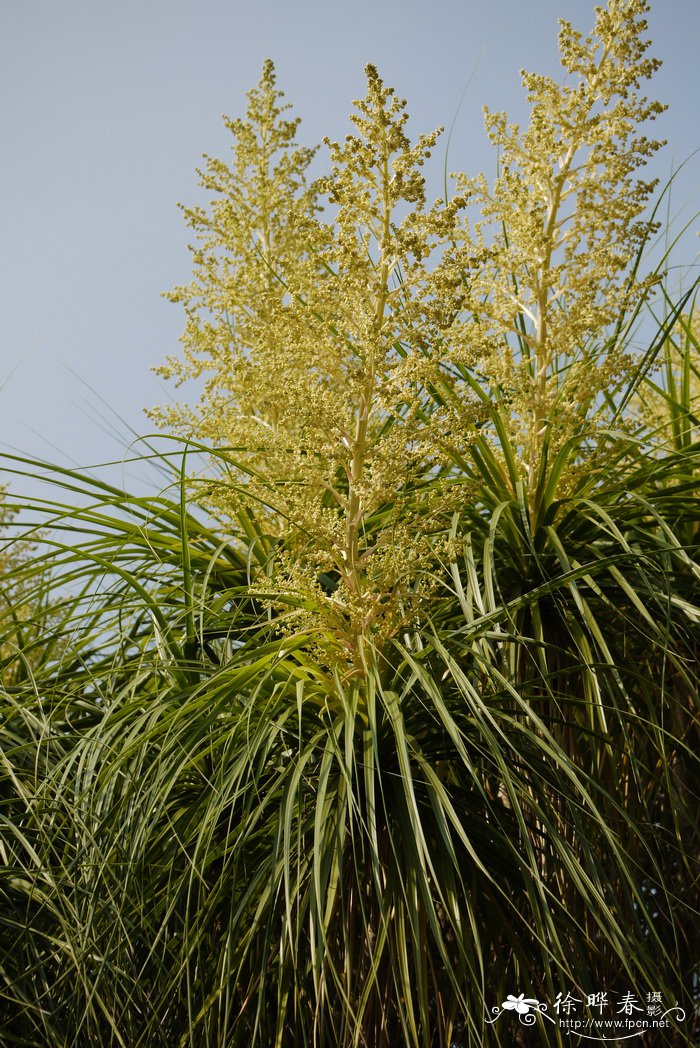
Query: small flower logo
[520, 1004]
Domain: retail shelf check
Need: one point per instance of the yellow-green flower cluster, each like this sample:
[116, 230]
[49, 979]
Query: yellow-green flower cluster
[561, 225]
[341, 324]
[321, 339]
[247, 243]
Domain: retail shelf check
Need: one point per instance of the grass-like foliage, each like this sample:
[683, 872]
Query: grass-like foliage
[390, 710]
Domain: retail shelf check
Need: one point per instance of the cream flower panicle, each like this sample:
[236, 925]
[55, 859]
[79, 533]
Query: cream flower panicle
[341, 325]
[561, 226]
[321, 339]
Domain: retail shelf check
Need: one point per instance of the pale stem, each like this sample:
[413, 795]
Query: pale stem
[355, 512]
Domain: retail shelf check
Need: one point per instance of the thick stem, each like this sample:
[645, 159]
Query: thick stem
[355, 506]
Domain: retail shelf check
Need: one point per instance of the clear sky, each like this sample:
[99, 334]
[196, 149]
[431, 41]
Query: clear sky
[107, 105]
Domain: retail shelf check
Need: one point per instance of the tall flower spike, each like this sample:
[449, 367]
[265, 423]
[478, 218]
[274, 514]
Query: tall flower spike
[250, 236]
[562, 225]
[320, 339]
[346, 364]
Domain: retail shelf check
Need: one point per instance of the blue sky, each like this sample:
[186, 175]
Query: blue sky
[107, 107]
